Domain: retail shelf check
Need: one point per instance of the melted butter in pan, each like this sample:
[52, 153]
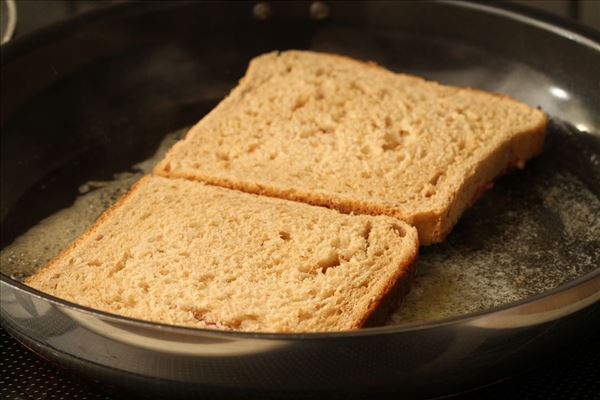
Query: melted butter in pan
[50, 236]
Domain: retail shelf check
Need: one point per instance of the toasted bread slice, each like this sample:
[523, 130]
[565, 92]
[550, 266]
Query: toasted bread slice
[332, 131]
[186, 253]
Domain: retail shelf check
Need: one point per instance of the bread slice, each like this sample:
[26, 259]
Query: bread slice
[185, 253]
[331, 131]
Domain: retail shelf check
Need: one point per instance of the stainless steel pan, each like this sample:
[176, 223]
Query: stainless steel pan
[92, 96]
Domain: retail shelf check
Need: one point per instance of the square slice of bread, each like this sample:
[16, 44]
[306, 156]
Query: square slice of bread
[185, 253]
[332, 131]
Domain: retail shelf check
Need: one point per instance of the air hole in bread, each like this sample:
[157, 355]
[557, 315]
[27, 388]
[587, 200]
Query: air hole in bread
[99, 237]
[155, 238]
[330, 311]
[299, 103]
[206, 277]
[367, 230]
[390, 142]
[331, 260]
[399, 230]
[435, 179]
[354, 86]
[302, 314]
[327, 293]
[284, 235]
[338, 115]
[130, 302]
[223, 156]
[144, 286]
[308, 133]
[199, 313]
[388, 121]
[117, 267]
[249, 322]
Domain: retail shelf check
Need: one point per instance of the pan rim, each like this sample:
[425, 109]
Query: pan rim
[570, 29]
[571, 287]
[557, 25]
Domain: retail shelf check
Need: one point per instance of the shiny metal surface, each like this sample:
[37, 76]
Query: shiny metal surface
[153, 77]
[8, 20]
[153, 358]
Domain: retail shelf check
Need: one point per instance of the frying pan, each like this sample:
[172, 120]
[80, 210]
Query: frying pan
[92, 96]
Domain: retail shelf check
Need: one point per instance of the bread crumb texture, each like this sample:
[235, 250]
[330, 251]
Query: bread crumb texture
[332, 131]
[185, 253]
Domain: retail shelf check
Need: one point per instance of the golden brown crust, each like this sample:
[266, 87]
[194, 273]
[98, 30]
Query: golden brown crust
[31, 280]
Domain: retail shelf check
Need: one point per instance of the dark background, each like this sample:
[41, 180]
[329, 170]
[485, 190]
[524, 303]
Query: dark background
[572, 372]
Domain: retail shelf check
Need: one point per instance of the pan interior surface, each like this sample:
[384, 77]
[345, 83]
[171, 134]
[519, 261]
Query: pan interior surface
[81, 137]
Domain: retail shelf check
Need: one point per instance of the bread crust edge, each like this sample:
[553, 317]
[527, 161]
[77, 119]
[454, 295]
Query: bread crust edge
[394, 291]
